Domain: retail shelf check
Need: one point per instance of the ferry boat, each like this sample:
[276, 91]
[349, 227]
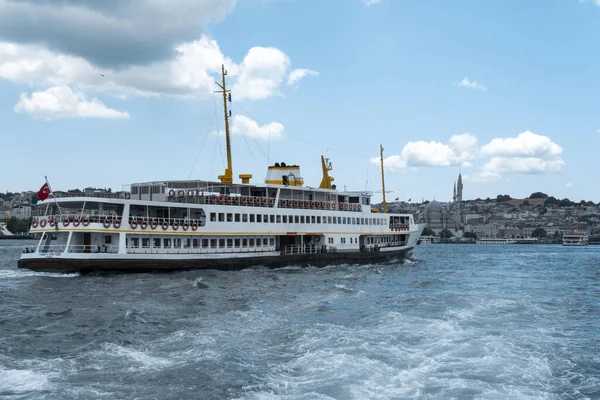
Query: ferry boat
[575, 239]
[496, 241]
[4, 232]
[196, 224]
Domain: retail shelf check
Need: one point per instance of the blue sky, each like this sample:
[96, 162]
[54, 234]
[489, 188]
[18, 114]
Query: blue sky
[504, 92]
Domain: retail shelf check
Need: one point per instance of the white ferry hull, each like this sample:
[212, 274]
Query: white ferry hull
[149, 263]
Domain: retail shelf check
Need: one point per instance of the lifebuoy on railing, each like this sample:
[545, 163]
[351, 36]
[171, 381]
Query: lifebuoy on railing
[165, 225]
[42, 223]
[85, 221]
[181, 193]
[117, 223]
[228, 199]
[271, 202]
[76, 221]
[194, 225]
[133, 223]
[66, 221]
[171, 193]
[175, 225]
[191, 193]
[127, 195]
[107, 222]
[144, 224]
[220, 198]
[153, 224]
[199, 193]
[244, 199]
[185, 225]
[34, 223]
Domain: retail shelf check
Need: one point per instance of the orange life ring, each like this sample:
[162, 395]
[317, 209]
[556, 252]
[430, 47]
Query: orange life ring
[42, 223]
[194, 225]
[144, 224]
[165, 225]
[85, 221]
[171, 193]
[34, 223]
[133, 223]
[107, 222]
[117, 223]
[76, 221]
[175, 225]
[153, 224]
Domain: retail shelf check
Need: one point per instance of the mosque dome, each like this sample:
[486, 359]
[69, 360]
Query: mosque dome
[433, 204]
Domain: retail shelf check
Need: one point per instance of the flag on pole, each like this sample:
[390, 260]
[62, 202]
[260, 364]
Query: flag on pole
[409, 199]
[397, 198]
[44, 192]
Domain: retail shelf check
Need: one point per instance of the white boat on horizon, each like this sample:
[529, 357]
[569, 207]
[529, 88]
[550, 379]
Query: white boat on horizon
[191, 224]
[4, 230]
[575, 239]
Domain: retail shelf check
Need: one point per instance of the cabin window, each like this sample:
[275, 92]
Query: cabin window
[156, 243]
[312, 219]
[302, 219]
[229, 217]
[265, 218]
[258, 218]
[145, 243]
[344, 220]
[237, 217]
[285, 219]
[196, 243]
[135, 190]
[204, 243]
[213, 243]
[229, 243]
[237, 243]
[134, 243]
[329, 220]
[221, 243]
[296, 219]
[167, 243]
[251, 241]
[271, 241]
[177, 243]
[334, 220]
[187, 243]
[251, 217]
[318, 219]
[221, 217]
[213, 217]
[244, 242]
[145, 189]
[244, 217]
[343, 240]
[279, 219]
[265, 241]
[272, 219]
[366, 201]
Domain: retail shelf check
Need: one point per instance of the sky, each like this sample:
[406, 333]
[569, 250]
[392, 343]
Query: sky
[109, 93]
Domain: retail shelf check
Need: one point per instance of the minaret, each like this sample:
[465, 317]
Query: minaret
[454, 196]
[459, 189]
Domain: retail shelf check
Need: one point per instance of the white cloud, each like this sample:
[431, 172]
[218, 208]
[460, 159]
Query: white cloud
[570, 184]
[62, 102]
[523, 165]
[373, 2]
[459, 151]
[526, 144]
[466, 83]
[261, 72]
[298, 74]
[243, 126]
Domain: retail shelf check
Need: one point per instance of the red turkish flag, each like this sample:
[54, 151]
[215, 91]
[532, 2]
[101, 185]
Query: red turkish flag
[44, 192]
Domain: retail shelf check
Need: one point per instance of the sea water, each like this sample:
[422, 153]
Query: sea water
[453, 322]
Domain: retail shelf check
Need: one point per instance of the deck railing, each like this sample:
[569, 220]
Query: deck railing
[292, 249]
[192, 250]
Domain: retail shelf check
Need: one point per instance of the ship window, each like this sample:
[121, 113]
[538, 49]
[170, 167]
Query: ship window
[187, 243]
[221, 243]
[155, 189]
[329, 220]
[251, 241]
[344, 220]
[213, 243]
[237, 242]
[167, 243]
[271, 241]
[258, 242]
[265, 218]
[177, 243]
[229, 243]
[196, 243]
[145, 189]
[258, 217]
[135, 243]
[213, 217]
[318, 219]
[237, 217]
[272, 219]
[296, 219]
[365, 201]
[244, 242]
[244, 217]
[265, 241]
[229, 217]
[134, 190]
[334, 220]
[156, 243]
[251, 217]
[362, 221]
[279, 219]
[285, 219]
[145, 243]
[302, 219]
[221, 217]
[204, 243]
[312, 219]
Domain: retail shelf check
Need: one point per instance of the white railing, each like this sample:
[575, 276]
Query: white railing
[292, 249]
[150, 250]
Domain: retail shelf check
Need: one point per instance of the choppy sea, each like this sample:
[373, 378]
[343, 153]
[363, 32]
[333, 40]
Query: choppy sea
[453, 322]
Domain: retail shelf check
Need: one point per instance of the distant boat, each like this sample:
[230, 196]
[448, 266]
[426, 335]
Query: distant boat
[4, 230]
[496, 241]
[575, 239]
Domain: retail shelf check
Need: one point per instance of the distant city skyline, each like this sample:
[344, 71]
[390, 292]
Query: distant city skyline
[503, 92]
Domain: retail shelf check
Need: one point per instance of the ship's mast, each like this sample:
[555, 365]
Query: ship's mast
[227, 177]
[382, 178]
